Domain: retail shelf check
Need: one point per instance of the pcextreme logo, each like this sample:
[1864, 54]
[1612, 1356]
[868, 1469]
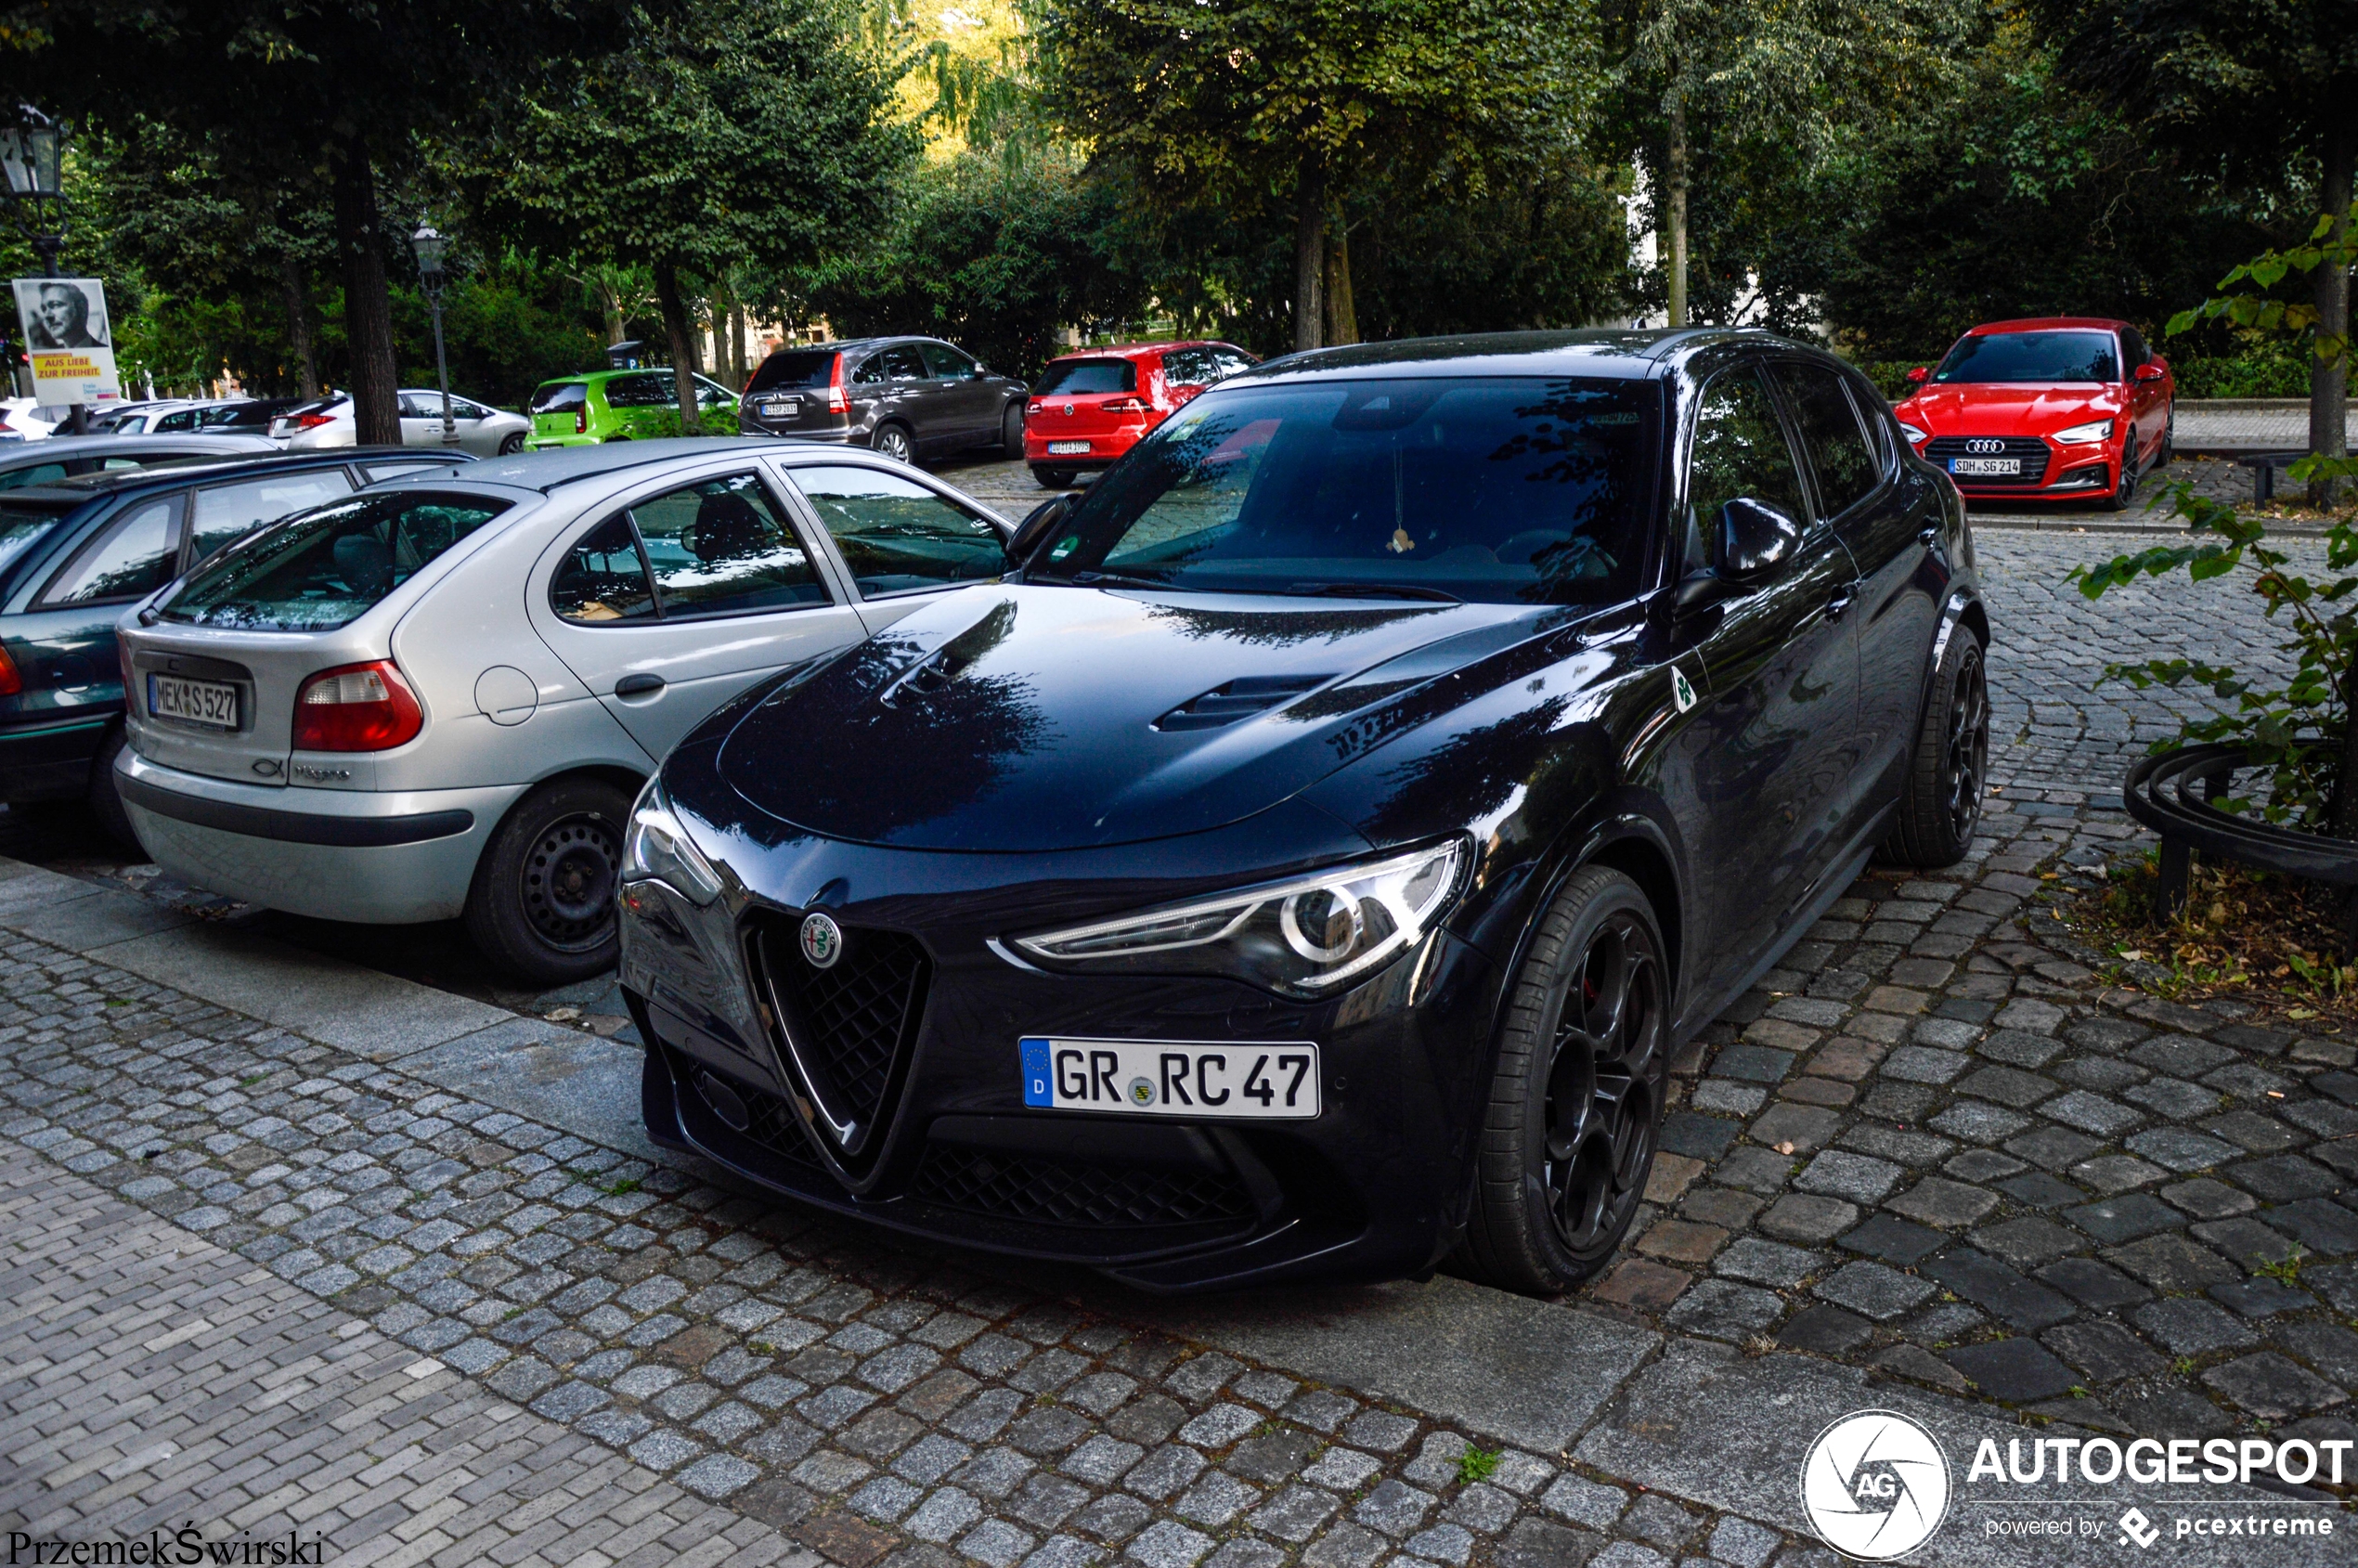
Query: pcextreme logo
[1875, 1485]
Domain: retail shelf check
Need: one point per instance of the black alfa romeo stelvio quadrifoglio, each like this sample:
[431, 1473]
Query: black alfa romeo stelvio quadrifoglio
[1306, 860]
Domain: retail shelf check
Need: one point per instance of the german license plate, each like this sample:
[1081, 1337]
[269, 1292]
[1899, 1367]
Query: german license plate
[1064, 448]
[781, 408]
[1259, 1081]
[213, 704]
[1987, 467]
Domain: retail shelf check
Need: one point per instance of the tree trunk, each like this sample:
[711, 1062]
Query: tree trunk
[1342, 321]
[296, 285]
[737, 338]
[2330, 379]
[682, 331]
[1310, 254]
[1676, 191]
[723, 351]
[367, 309]
[610, 303]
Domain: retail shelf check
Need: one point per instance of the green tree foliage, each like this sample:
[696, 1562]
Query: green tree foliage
[2261, 90]
[330, 89]
[1241, 102]
[993, 253]
[742, 130]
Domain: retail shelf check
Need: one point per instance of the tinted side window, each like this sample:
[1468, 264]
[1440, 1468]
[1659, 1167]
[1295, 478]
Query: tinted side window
[2132, 348]
[900, 363]
[1839, 453]
[639, 391]
[896, 534]
[946, 362]
[720, 547]
[227, 511]
[133, 557]
[1740, 451]
[38, 473]
[601, 578]
[871, 371]
[1230, 360]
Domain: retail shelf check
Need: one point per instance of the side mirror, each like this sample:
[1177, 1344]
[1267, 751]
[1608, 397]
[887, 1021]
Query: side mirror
[1918, 376]
[2149, 373]
[1755, 538]
[1037, 525]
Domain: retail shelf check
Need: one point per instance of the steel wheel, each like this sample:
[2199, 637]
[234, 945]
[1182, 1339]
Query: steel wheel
[1604, 1087]
[568, 880]
[1966, 761]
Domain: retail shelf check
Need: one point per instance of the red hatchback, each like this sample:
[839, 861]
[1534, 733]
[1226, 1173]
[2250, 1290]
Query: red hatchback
[1089, 408]
[2061, 408]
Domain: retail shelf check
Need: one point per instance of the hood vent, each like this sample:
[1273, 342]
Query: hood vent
[1241, 698]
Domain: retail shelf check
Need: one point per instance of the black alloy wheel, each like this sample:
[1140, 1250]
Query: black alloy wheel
[1576, 1100]
[892, 441]
[543, 902]
[1940, 803]
[2126, 491]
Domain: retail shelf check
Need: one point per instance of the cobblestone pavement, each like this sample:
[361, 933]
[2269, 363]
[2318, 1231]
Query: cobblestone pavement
[153, 1380]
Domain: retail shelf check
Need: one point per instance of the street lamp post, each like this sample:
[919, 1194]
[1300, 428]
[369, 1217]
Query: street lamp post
[429, 243]
[33, 156]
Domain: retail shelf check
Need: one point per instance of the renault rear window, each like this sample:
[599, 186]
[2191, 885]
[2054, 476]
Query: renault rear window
[791, 368]
[318, 569]
[1082, 377]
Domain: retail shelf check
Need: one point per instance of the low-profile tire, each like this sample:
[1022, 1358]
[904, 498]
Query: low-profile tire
[542, 906]
[893, 441]
[1053, 478]
[513, 445]
[1940, 802]
[2169, 441]
[2124, 493]
[1011, 432]
[1577, 1099]
[106, 801]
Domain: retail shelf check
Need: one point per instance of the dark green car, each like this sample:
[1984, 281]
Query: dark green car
[619, 406]
[77, 553]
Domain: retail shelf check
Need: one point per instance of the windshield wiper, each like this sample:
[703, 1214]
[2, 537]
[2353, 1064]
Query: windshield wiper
[1114, 580]
[1375, 591]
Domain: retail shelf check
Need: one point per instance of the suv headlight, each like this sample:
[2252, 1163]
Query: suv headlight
[1304, 937]
[2094, 430]
[659, 849]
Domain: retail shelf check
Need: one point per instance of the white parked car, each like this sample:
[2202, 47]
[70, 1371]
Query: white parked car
[439, 696]
[28, 419]
[327, 421]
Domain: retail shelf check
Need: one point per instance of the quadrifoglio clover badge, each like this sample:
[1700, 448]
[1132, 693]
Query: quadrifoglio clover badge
[1875, 1485]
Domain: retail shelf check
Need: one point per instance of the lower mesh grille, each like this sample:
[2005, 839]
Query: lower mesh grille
[1041, 1190]
[851, 1022]
[772, 1122]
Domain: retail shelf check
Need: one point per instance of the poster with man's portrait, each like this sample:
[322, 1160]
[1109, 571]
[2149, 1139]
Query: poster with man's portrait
[67, 337]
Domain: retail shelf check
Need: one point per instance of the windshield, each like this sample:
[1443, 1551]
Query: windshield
[1523, 490]
[1085, 376]
[2032, 357]
[317, 569]
[794, 367]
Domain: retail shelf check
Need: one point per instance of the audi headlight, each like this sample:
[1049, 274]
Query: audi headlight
[1915, 437]
[1304, 937]
[2094, 430]
[659, 849]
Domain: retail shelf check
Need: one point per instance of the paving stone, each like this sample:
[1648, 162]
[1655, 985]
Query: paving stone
[1918, 1064]
[1296, 1513]
[2173, 1264]
[2124, 1217]
[1852, 1177]
[2110, 1174]
[1722, 1309]
[1978, 1122]
[2208, 1199]
[2187, 1326]
[1741, 1542]
[2052, 1148]
[2104, 1351]
[1873, 1290]
[1947, 1204]
[1992, 1286]
[1829, 1330]
[2016, 1370]
[2091, 1113]
[1894, 1240]
[2261, 1298]
[2271, 1387]
[1767, 1263]
[1799, 1217]
[1796, 1129]
[1585, 1502]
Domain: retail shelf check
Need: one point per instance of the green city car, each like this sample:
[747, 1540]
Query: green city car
[619, 406]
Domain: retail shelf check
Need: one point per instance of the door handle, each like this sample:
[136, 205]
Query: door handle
[637, 686]
[1840, 601]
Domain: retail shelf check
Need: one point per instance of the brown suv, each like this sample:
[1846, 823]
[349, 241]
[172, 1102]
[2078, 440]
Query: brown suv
[908, 399]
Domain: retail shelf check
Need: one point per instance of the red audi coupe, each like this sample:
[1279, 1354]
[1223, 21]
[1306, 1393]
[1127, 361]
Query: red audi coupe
[1088, 408]
[2061, 408]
